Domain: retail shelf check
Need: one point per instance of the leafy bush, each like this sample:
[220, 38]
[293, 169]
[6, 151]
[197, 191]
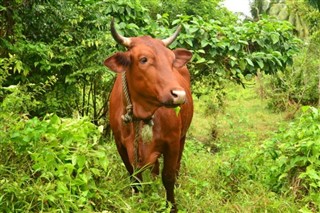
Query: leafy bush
[67, 46]
[298, 84]
[295, 154]
[224, 52]
[55, 164]
[207, 9]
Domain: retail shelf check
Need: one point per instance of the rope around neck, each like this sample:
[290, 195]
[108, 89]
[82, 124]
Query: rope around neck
[128, 118]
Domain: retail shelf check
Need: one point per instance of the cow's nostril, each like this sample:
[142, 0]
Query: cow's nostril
[174, 94]
[179, 96]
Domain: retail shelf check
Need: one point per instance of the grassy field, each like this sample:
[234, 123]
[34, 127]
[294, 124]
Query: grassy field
[217, 176]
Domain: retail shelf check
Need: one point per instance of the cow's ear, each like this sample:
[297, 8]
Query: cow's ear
[182, 57]
[118, 62]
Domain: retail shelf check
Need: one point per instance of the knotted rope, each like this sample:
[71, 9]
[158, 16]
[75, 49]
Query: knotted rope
[129, 117]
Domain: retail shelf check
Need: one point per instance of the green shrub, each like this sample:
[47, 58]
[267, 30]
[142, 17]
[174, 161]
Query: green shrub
[55, 164]
[68, 45]
[298, 84]
[295, 153]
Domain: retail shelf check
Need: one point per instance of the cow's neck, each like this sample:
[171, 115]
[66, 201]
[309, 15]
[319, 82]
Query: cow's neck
[146, 130]
[129, 116]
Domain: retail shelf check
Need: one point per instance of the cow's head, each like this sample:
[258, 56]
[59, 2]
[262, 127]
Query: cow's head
[151, 71]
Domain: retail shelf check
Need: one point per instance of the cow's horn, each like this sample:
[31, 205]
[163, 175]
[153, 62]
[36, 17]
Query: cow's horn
[171, 39]
[119, 38]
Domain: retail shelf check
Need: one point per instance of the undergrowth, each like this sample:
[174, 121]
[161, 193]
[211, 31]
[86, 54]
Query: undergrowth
[56, 164]
[64, 165]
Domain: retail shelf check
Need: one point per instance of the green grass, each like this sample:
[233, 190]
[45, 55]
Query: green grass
[218, 174]
[246, 118]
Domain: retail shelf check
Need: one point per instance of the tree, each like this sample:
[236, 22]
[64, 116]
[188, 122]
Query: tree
[284, 10]
[56, 49]
[298, 83]
[314, 3]
[56, 60]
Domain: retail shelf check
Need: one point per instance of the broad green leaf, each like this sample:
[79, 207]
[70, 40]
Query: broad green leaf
[242, 64]
[193, 30]
[204, 43]
[260, 63]
[201, 60]
[18, 66]
[176, 22]
[189, 42]
[81, 160]
[177, 110]
[249, 62]
[275, 38]
[232, 63]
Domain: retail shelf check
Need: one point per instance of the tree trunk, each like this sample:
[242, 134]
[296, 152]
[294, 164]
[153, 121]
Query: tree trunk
[94, 102]
[83, 98]
[319, 86]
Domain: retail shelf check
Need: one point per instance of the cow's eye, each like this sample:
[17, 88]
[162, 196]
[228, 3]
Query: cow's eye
[143, 60]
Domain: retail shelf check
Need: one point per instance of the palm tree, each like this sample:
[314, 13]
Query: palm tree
[315, 4]
[282, 10]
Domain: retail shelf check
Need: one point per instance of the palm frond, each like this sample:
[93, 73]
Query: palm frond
[315, 3]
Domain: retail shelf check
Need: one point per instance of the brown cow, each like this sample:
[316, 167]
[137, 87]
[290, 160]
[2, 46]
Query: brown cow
[151, 80]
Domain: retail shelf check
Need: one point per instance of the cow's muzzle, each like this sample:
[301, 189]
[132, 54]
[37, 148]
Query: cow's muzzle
[179, 97]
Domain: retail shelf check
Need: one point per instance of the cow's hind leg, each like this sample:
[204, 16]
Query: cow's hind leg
[169, 176]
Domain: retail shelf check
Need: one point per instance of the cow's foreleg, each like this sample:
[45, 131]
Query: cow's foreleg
[135, 178]
[125, 158]
[182, 142]
[155, 169]
[169, 175]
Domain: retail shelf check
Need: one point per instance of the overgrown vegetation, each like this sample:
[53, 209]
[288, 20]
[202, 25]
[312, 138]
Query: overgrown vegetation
[295, 152]
[298, 84]
[53, 107]
[57, 60]
[53, 165]
[56, 164]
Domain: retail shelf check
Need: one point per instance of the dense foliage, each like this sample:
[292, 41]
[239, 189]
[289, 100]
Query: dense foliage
[286, 164]
[295, 152]
[55, 164]
[49, 163]
[54, 93]
[225, 52]
[289, 10]
[299, 83]
[56, 61]
[207, 9]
